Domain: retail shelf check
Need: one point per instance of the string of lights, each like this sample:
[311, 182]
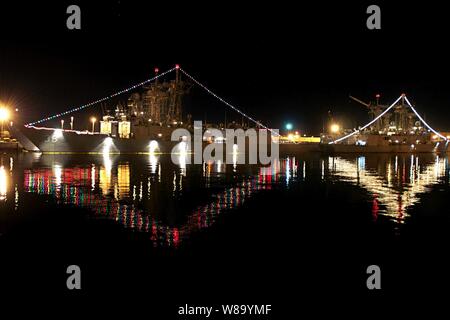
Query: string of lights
[63, 130]
[423, 121]
[32, 124]
[227, 103]
[368, 124]
[100, 100]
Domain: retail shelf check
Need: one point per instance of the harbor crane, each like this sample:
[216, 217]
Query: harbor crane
[375, 109]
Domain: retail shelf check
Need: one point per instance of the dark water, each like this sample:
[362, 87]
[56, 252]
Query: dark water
[143, 227]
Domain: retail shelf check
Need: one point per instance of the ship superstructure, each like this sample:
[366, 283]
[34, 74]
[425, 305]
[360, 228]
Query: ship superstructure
[397, 126]
[401, 121]
[153, 112]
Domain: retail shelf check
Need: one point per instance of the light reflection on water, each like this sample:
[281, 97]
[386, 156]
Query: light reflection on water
[170, 202]
[136, 199]
[394, 182]
[3, 183]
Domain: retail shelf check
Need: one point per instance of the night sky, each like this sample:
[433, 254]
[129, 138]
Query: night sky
[279, 62]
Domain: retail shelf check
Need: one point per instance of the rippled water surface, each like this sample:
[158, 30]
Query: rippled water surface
[149, 194]
[144, 221]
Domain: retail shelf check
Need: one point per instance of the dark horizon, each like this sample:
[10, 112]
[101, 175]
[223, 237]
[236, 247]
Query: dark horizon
[279, 65]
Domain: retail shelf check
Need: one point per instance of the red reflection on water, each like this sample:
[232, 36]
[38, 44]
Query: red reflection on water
[74, 186]
[375, 207]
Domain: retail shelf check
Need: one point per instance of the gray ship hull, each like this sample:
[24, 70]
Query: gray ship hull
[71, 142]
[419, 148]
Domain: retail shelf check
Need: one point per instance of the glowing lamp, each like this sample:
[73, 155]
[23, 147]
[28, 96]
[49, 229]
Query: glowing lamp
[289, 126]
[93, 119]
[108, 142]
[177, 66]
[57, 134]
[4, 114]
[153, 146]
[334, 128]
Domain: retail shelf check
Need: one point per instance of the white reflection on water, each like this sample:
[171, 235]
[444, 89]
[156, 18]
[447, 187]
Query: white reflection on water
[391, 184]
[182, 163]
[219, 166]
[141, 212]
[57, 170]
[16, 197]
[235, 156]
[153, 163]
[93, 177]
[3, 184]
[123, 182]
[105, 173]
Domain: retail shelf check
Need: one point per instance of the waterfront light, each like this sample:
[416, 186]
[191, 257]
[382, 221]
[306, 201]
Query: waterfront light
[289, 126]
[57, 134]
[183, 148]
[93, 120]
[153, 146]
[108, 141]
[4, 116]
[107, 144]
[334, 128]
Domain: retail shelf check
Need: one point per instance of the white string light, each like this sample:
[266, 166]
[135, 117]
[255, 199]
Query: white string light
[423, 121]
[64, 130]
[101, 100]
[371, 122]
[227, 103]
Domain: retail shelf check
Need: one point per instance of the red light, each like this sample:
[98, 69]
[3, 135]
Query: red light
[156, 70]
[378, 95]
[177, 66]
